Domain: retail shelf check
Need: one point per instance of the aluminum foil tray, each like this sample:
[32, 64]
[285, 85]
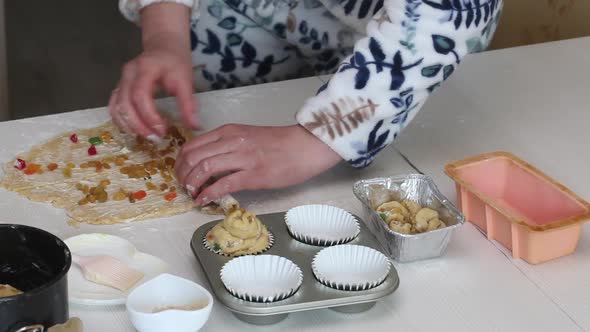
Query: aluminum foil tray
[418, 188]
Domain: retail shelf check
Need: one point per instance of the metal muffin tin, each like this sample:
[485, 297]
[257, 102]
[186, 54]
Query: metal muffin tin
[418, 188]
[312, 294]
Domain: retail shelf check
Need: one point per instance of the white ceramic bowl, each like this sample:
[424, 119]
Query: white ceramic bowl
[263, 278]
[166, 291]
[321, 225]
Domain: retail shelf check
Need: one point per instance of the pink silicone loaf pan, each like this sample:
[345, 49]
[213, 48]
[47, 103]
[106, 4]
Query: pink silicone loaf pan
[526, 211]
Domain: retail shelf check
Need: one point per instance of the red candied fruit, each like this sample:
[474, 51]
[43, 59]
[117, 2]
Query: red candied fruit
[92, 150]
[20, 164]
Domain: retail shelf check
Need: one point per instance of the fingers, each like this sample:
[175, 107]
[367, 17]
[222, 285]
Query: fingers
[124, 105]
[192, 158]
[214, 166]
[115, 112]
[241, 180]
[195, 143]
[180, 85]
[142, 90]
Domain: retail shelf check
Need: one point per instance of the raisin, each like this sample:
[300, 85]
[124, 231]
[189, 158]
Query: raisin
[67, 172]
[119, 196]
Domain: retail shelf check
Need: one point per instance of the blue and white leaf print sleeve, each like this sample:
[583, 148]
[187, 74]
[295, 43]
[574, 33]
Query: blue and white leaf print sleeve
[131, 8]
[410, 48]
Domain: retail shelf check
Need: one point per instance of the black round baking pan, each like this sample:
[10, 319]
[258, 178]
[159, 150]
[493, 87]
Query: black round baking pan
[35, 262]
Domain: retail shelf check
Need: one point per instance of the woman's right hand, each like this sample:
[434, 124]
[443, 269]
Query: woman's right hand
[165, 63]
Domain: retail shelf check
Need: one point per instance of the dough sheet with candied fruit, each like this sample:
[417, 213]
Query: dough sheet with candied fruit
[102, 176]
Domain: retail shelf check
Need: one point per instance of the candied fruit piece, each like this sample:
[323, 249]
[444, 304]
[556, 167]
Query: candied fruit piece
[151, 186]
[83, 201]
[105, 182]
[71, 165]
[170, 196]
[92, 150]
[20, 164]
[163, 187]
[95, 140]
[52, 166]
[74, 138]
[172, 189]
[106, 166]
[33, 168]
[139, 195]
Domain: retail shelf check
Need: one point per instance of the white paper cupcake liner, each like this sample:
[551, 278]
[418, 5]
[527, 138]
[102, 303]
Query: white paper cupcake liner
[350, 267]
[321, 225]
[264, 278]
[271, 241]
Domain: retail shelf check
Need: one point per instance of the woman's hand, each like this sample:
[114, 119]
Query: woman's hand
[245, 157]
[166, 63]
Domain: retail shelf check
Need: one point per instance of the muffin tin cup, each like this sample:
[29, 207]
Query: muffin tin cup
[350, 267]
[311, 295]
[321, 225]
[219, 252]
[263, 278]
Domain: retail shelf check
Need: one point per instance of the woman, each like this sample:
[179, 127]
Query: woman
[387, 55]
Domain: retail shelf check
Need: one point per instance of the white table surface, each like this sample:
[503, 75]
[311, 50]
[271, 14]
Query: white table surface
[534, 102]
[476, 286]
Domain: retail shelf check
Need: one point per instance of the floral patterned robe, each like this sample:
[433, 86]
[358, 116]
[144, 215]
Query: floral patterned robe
[387, 56]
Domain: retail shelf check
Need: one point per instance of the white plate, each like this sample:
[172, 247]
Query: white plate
[82, 291]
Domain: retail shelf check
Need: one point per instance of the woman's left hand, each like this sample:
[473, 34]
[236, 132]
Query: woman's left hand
[244, 157]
